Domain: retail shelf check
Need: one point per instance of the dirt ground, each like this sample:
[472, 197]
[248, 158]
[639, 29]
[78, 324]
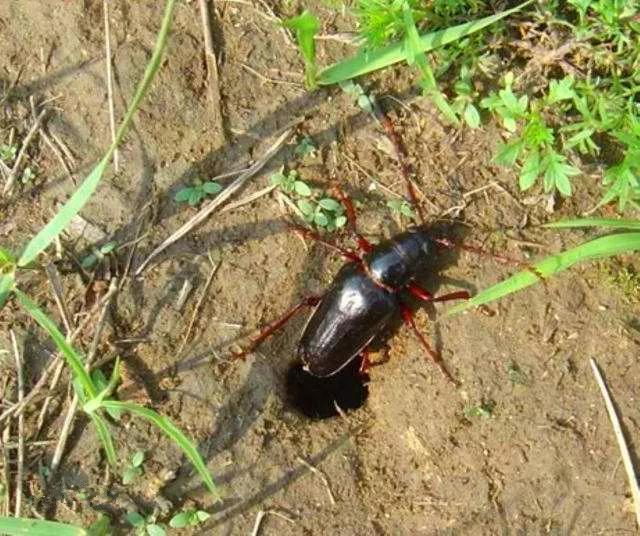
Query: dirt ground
[413, 459]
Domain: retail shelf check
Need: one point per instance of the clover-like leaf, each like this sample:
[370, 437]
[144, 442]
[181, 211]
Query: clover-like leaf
[211, 187]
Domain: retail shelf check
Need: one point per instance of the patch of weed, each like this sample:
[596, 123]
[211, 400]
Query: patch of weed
[315, 208]
[483, 410]
[188, 518]
[133, 468]
[195, 193]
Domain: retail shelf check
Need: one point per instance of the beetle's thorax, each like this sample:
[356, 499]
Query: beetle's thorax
[394, 263]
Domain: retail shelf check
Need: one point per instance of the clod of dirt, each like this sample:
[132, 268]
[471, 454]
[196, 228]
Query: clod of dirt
[317, 397]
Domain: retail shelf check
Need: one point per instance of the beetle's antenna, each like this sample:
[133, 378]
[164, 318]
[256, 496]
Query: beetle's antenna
[401, 156]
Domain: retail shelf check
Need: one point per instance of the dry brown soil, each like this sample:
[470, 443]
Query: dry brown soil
[413, 459]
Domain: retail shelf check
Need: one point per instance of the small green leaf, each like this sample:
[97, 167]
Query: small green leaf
[508, 153]
[305, 147]
[130, 474]
[557, 173]
[306, 26]
[341, 221]
[194, 196]
[302, 189]
[560, 90]
[89, 262]
[530, 170]
[108, 247]
[278, 178]
[321, 219]
[6, 257]
[181, 520]
[509, 123]
[155, 530]
[364, 102]
[202, 515]
[135, 519]
[137, 459]
[211, 187]
[183, 195]
[305, 207]
[471, 116]
[331, 205]
[483, 410]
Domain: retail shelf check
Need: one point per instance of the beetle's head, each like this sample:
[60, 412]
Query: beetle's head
[399, 260]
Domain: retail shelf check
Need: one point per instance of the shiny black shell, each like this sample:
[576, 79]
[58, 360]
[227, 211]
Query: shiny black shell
[351, 313]
[362, 301]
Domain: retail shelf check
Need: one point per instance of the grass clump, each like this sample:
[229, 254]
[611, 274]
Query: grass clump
[195, 193]
[313, 205]
[568, 106]
[95, 394]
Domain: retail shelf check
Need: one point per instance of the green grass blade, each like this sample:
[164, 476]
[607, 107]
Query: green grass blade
[19, 526]
[80, 197]
[367, 61]
[605, 246]
[105, 438]
[74, 359]
[174, 433]
[6, 286]
[306, 27]
[595, 222]
[60, 221]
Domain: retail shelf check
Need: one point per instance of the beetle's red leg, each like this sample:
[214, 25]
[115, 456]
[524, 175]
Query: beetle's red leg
[402, 158]
[363, 244]
[308, 233]
[424, 295]
[310, 301]
[449, 244]
[366, 363]
[407, 316]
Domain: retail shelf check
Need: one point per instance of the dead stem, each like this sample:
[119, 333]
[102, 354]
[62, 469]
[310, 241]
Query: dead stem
[622, 442]
[47, 139]
[6, 461]
[108, 58]
[20, 469]
[196, 310]
[212, 68]
[320, 475]
[262, 514]
[23, 151]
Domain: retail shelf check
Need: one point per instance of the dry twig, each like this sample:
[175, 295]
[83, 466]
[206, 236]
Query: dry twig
[321, 475]
[6, 461]
[212, 67]
[47, 139]
[622, 443]
[108, 58]
[23, 151]
[196, 310]
[20, 469]
[262, 514]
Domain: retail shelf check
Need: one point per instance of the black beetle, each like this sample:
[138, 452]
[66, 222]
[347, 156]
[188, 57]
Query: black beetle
[363, 298]
[366, 293]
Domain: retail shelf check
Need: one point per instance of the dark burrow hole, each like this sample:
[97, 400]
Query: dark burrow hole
[317, 397]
